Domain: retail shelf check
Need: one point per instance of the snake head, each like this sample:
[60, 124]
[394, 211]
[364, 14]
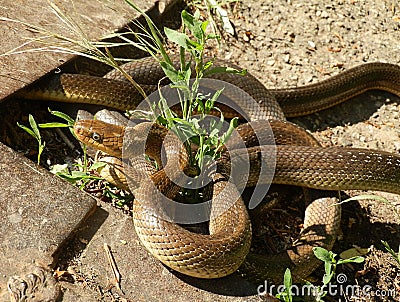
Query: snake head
[100, 135]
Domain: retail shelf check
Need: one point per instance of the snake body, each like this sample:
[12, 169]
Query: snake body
[300, 161]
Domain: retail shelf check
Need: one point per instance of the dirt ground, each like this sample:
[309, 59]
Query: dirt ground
[293, 43]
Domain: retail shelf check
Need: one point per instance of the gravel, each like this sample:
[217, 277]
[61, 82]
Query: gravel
[293, 43]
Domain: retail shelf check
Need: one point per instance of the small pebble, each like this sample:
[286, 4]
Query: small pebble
[311, 44]
[324, 15]
[286, 58]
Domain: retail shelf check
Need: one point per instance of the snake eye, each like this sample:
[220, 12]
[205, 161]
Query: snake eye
[96, 137]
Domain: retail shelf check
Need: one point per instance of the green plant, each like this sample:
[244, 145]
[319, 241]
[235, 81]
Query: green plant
[84, 172]
[383, 200]
[70, 125]
[191, 41]
[330, 265]
[396, 256]
[34, 132]
[286, 295]
[60, 170]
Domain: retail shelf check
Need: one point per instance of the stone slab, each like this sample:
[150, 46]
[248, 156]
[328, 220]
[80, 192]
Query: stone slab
[38, 213]
[16, 71]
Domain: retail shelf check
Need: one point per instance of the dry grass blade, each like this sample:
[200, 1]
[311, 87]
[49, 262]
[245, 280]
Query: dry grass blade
[111, 260]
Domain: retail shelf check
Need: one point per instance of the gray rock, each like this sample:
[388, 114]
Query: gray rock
[38, 213]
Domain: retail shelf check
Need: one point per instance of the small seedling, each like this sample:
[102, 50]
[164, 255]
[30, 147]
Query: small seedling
[395, 255]
[60, 170]
[330, 262]
[82, 174]
[70, 125]
[34, 132]
[286, 295]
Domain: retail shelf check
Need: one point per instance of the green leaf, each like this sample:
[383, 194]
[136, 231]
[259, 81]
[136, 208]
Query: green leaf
[187, 73]
[356, 259]
[395, 255]
[162, 120]
[327, 278]
[34, 127]
[322, 254]
[194, 25]
[54, 125]
[214, 132]
[210, 102]
[29, 131]
[353, 252]
[195, 140]
[64, 116]
[195, 127]
[232, 125]
[59, 169]
[193, 45]
[208, 64]
[40, 151]
[77, 175]
[184, 131]
[34, 132]
[287, 278]
[200, 106]
[97, 165]
[177, 37]
[188, 65]
[221, 69]
[213, 36]
[170, 72]
[204, 25]
[286, 295]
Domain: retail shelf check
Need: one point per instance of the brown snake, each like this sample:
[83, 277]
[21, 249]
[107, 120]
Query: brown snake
[299, 161]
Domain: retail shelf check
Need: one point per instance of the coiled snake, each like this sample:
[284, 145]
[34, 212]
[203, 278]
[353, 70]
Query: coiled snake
[300, 161]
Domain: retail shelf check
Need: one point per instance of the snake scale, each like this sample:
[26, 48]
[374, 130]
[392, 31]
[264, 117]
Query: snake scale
[300, 161]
